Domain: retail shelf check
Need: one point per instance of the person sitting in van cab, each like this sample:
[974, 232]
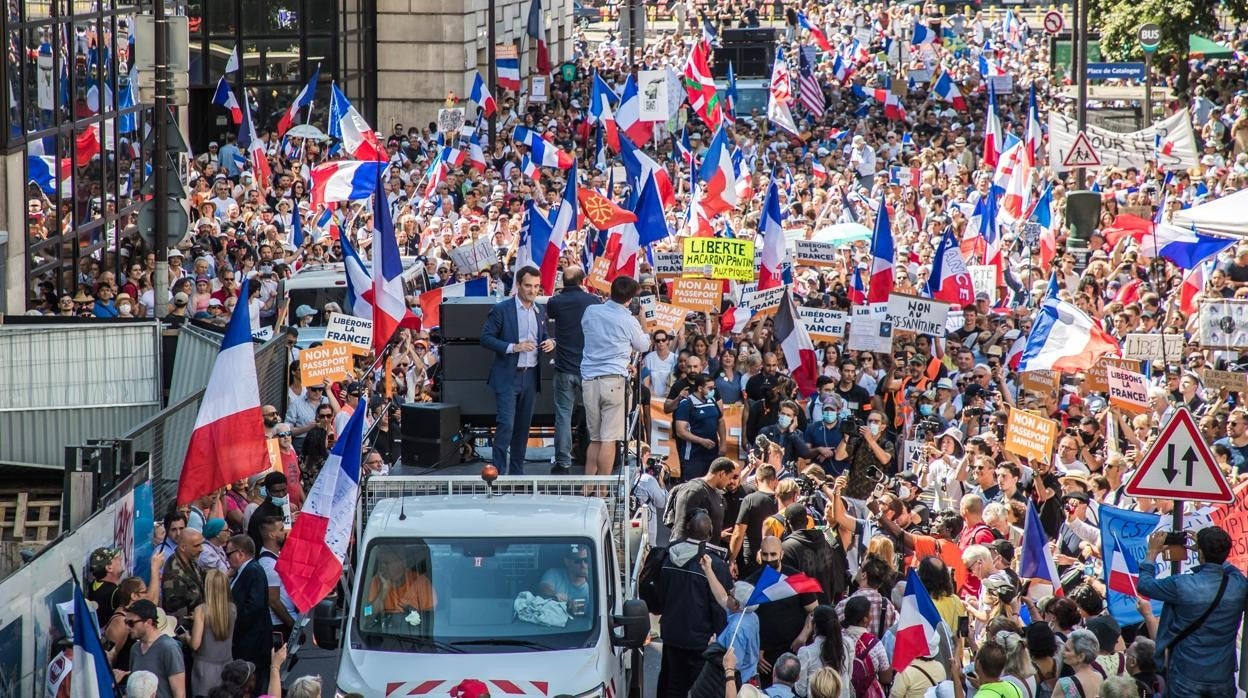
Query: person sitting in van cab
[397, 588]
[569, 583]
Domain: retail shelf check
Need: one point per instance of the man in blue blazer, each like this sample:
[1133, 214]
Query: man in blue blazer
[515, 331]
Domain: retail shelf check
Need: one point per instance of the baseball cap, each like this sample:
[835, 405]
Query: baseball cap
[100, 557]
[305, 311]
[355, 389]
[180, 298]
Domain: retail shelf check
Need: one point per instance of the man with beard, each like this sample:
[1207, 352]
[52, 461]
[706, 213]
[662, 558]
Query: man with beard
[757, 387]
[779, 622]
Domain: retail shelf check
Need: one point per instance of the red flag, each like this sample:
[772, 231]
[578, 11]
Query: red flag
[601, 212]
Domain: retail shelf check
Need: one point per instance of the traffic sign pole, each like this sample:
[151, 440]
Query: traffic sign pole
[1150, 37]
[1176, 524]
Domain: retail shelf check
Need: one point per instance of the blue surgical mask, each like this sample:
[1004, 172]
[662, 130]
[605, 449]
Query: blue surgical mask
[829, 417]
[784, 421]
[280, 501]
[925, 410]
[264, 491]
[710, 394]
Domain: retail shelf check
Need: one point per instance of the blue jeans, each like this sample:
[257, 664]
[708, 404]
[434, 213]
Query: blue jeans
[515, 415]
[567, 394]
[1180, 686]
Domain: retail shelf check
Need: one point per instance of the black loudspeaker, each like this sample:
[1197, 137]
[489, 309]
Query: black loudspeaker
[468, 362]
[476, 401]
[1083, 212]
[463, 318]
[430, 453]
[430, 420]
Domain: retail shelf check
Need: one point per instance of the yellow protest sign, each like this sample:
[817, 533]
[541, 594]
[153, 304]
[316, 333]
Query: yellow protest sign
[328, 362]
[1030, 435]
[719, 258]
[705, 295]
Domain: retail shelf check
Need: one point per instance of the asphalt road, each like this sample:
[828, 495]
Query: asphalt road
[314, 661]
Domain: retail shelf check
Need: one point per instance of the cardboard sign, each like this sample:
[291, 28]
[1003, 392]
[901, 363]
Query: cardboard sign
[984, 280]
[912, 454]
[663, 316]
[538, 89]
[663, 438]
[1232, 381]
[870, 332]
[918, 315]
[275, 455]
[597, 278]
[824, 325]
[1127, 389]
[763, 301]
[719, 258]
[1095, 379]
[1149, 347]
[1233, 518]
[328, 362]
[472, 257]
[705, 295]
[668, 265]
[1039, 381]
[348, 329]
[815, 254]
[954, 321]
[1030, 435]
[652, 88]
[1223, 324]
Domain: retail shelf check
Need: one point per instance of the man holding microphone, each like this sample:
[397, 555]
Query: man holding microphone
[611, 334]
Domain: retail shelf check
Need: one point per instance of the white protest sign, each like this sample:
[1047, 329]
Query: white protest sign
[823, 324]
[652, 88]
[1171, 140]
[472, 257]
[760, 301]
[870, 331]
[1127, 389]
[668, 264]
[1224, 323]
[918, 315]
[348, 329]
[1149, 347]
[954, 321]
[816, 254]
[984, 280]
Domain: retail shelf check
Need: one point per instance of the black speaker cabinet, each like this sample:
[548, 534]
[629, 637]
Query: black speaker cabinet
[430, 453]
[476, 401]
[467, 361]
[463, 318]
[430, 420]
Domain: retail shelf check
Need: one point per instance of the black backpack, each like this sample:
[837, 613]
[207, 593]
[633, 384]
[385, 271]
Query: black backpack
[648, 578]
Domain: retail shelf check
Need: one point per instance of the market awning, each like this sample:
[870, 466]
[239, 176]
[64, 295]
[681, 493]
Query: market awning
[1200, 47]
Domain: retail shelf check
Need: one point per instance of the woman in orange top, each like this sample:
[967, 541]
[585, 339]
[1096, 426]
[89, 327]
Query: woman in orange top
[396, 588]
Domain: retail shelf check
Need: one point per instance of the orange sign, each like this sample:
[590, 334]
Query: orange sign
[1030, 435]
[662, 437]
[705, 295]
[598, 275]
[328, 362]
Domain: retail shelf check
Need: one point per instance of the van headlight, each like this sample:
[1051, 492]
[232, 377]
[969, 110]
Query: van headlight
[599, 691]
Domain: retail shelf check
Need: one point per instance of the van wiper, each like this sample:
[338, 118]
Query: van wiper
[504, 643]
[413, 641]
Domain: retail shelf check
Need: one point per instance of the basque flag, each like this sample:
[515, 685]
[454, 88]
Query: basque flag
[224, 97]
[228, 443]
[310, 564]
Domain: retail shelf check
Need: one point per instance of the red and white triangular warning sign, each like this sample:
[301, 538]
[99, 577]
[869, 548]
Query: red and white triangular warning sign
[1180, 466]
[1081, 153]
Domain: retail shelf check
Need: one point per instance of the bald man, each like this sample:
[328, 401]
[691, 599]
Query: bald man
[780, 622]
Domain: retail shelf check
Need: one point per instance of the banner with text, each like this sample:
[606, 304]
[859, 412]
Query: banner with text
[719, 258]
[918, 315]
[705, 295]
[814, 253]
[824, 325]
[1127, 389]
[1171, 140]
[348, 329]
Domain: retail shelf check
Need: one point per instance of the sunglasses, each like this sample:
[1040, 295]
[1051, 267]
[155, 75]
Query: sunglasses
[283, 435]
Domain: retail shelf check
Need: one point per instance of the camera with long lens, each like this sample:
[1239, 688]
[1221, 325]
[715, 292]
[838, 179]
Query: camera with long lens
[881, 479]
[927, 426]
[850, 425]
[655, 465]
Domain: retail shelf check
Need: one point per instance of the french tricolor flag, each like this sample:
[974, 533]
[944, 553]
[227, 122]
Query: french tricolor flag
[719, 174]
[775, 250]
[481, 95]
[1063, 338]
[628, 115]
[734, 319]
[799, 350]
[359, 281]
[508, 73]
[815, 32]
[431, 301]
[947, 90]
[345, 180]
[1193, 284]
[950, 280]
[1122, 578]
[918, 624]
[348, 125]
[228, 443]
[224, 97]
[542, 152]
[310, 563]
[563, 224]
[881, 273]
[923, 35]
[1035, 560]
[302, 100]
[993, 143]
[91, 676]
[389, 302]
[774, 586]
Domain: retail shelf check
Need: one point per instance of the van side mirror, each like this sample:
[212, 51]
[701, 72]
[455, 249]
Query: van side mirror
[326, 624]
[634, 623]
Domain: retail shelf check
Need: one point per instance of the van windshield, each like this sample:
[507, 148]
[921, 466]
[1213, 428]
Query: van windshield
[477, 595]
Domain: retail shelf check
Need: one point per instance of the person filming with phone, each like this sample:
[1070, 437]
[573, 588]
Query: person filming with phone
[1199, 622]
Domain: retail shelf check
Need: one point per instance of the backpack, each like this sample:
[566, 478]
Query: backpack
[648, 578]
[866, 683]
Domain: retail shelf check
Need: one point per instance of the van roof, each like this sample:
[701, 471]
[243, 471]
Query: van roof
[472, 515]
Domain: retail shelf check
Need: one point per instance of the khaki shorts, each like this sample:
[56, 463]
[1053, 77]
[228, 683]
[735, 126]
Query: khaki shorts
[604, 407]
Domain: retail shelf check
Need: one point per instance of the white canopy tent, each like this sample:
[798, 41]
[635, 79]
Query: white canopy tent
[1225, 216]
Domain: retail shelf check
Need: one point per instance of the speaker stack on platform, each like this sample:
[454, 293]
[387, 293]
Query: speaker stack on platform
[431, 435]
[466, 366]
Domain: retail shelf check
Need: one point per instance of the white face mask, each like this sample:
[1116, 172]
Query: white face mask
[124, 307]
[875, 429]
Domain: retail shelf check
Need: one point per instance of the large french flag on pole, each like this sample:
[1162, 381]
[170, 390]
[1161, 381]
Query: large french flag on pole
[481, 95]
[774, 586]
[311, 561]
[799, 350]
[302, 100]
[771, 270]
[92, 677]
[345, 180]
[563, 224]
[348, 125]
[1064, 338]
[227, 444]
[881, 274]
[431, 301]
[224, 97]
[359, 280]
[1035, 560]
[389, 305]
[950, 280]
[720, 175]
[918, 625]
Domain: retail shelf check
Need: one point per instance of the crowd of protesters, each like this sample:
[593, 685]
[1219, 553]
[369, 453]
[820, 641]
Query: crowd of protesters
[828, 488]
